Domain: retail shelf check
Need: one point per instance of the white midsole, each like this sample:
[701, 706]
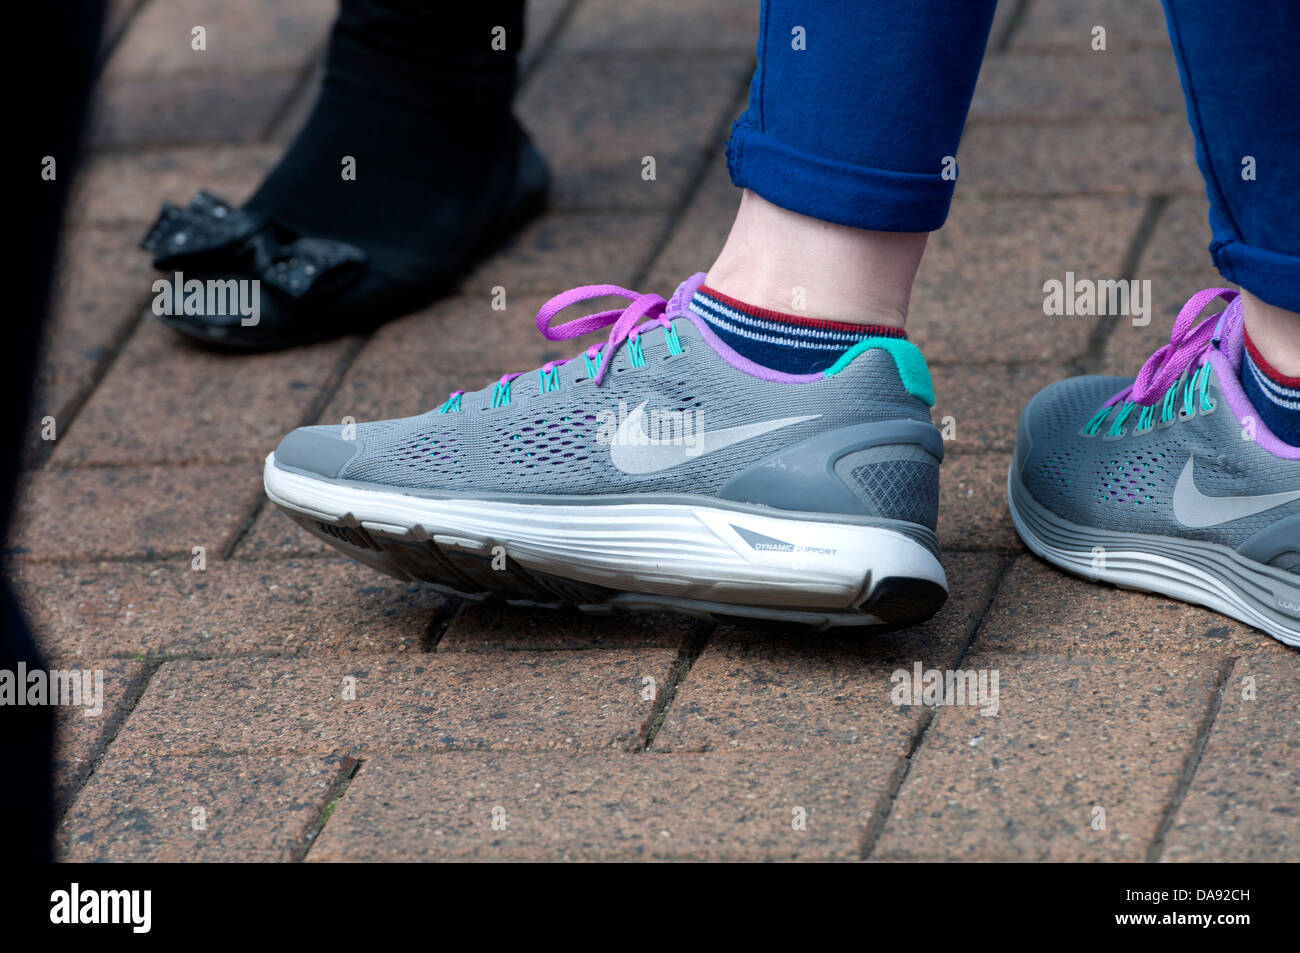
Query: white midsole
[686, 550]
[1152, 572]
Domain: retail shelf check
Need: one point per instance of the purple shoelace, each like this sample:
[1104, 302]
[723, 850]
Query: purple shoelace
[1188, 344]
[648, 309]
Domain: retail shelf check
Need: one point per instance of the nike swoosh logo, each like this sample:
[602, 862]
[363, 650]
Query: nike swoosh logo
[632, 453]
[1194, 509]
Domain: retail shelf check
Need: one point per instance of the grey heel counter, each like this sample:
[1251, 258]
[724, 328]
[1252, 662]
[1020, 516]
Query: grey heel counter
[1276, 545]
[887, 469]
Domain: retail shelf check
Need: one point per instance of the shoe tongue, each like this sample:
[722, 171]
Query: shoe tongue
[1228, 333]
[680, 302]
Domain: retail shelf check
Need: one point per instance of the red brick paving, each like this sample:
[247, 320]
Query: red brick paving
[979, 293]
[984, 402]
[1137, 83]
[1099, 156]
[274, 536]
[497, 628]
[327, 606]
[596, 123]
[1067, 27]
[1038, 609]
[748, 691]
[726, 806]
[130, 512]
[104, 275]
[1080, 762]
[972, 504]
[254, 36]
[1242, 799]
[655, 25]
[125, 189]
[616, 737]
[562, 250]
[232, 407]
[82, 732]
[243, 808]
[590, 700]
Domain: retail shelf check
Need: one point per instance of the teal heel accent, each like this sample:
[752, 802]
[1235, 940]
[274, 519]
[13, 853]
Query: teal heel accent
[912, 369]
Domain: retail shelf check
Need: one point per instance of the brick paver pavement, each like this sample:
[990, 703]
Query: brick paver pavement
[283, 703]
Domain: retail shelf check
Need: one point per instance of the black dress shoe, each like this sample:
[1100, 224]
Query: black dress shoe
[312, 288]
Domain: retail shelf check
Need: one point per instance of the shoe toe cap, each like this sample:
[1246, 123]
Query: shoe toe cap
[1062, 408]
[324, 451]
[1052, 420]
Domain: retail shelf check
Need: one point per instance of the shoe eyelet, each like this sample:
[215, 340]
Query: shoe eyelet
[1123, 432]
[1184, 415]
[1141, 431]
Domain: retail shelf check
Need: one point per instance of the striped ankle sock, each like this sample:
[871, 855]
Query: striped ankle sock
[783, 342]
[1274, 395]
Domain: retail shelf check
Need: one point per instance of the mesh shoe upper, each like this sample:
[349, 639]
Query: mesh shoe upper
[553, 431]
[1127, 483]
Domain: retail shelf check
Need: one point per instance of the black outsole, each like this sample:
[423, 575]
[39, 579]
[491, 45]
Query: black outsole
[894, 602]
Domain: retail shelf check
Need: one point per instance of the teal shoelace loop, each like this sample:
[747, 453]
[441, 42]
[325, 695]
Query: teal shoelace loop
[1146, 417]
[1117, 425]
[1206, 404]
[636, 356]
[1183, 364]
[1195, 391]
[549, 379]
[1188, 394]
[1167, 406]
[1093, 425]
[643, 312]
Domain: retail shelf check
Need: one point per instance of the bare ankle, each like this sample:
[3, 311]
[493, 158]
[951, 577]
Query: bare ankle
[783, 261]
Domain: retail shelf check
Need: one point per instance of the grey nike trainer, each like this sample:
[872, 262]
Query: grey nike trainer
[1168, 482]
[660, 470]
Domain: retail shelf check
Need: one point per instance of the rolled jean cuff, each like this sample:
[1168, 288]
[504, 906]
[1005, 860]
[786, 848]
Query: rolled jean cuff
[833, 191]
[1268, 275]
